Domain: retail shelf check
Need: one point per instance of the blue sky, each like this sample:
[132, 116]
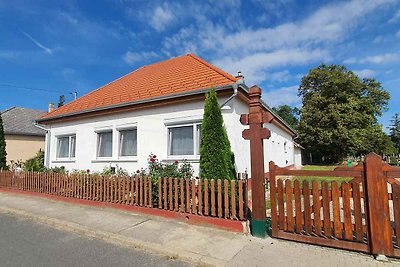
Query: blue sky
[66, 46]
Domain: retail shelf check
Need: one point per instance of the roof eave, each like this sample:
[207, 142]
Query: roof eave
[149, 100]
[246, 88]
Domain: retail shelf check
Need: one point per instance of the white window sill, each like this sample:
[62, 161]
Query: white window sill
[63, 161]
[182, 158]
[122, 159]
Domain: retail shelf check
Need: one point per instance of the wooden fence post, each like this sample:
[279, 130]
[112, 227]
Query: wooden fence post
[380, 233]
[256, 134]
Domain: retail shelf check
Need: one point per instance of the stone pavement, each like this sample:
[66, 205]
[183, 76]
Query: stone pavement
[196, 244]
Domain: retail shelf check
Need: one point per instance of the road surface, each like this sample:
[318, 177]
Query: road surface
[24, 242]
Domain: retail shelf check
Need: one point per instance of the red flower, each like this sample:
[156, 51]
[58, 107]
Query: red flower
[152, 160]
[176, 162]
[137, 171]
[197, 177]
[154, 156]
[87, 171]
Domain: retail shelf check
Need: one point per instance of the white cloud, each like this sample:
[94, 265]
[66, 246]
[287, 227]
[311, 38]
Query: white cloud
[282, 96]
[254, 67]
[44, 48]
[398, 34]
[279, 76]
[381, 59]
[132, 57]
[395, 18]
[351, 60]
[161, 17]
[365, 73]
[7, 54]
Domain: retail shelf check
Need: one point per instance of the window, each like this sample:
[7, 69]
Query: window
[104, 144]
[128, 143]
[184, 140]
[66, 147]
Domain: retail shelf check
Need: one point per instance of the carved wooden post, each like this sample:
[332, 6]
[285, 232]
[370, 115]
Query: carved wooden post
[380, 233]
[256, 133]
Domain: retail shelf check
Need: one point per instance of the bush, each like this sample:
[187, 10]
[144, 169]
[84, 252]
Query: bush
[35, 164]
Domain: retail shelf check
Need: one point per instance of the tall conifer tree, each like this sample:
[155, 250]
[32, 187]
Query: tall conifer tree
[216, 159]
[3, 153]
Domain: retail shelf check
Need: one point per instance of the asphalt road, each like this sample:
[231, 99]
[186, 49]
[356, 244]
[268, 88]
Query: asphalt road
[27, 243]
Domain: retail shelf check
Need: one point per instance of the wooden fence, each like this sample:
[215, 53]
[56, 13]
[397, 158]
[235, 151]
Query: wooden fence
[361, 213]
[215, 198]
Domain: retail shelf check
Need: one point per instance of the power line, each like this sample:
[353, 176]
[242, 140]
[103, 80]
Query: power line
[31, 88]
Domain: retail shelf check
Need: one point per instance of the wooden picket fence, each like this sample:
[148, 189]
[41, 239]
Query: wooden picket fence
[214, 198]
[362, 214]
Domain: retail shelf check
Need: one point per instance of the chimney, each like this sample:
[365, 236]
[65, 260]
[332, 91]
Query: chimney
[51, 107]
[240, 77]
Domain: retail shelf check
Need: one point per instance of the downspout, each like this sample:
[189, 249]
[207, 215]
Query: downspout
[47, 143]
[235, 91]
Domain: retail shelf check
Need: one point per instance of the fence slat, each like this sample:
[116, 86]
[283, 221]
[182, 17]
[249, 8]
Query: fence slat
[337, 224]
[171, 201]
[281, 205]
[219, 198]
[289, 205]
[307, 207]
[241, 202]
[297, 202]
[182, 189]
[160, 193]
[326, 209]
[145, 194]
[348, 226]
[187, 181]
[176, 195]
[226, 199]
[357, 211]
[213, 197]
[233, 200]
[194, 206]
[316, 207]
[200, 197]
[150, 192]
[206, 207]
[396, 211]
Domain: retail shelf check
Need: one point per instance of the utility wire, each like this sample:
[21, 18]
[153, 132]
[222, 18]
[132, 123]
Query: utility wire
[31, 88]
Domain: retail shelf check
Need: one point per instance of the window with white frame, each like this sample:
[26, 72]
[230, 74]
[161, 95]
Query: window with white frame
[128, 142]
[184, 140]
[66, 146]
[104, 144]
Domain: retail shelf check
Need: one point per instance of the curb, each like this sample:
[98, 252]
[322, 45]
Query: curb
[116, 239]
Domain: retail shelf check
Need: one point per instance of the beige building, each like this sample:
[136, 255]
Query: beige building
[23, 139]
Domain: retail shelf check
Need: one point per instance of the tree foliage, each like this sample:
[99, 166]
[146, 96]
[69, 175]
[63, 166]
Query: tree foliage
[288, 114]
[395, 132]
[216, 157]
[339, 114]
[35, 164]
[3, 153]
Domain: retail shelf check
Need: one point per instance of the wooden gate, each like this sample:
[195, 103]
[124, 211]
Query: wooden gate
[359, 210]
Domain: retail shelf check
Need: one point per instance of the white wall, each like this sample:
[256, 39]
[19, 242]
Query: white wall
[273, 147]
[297, 157]
[152, 137]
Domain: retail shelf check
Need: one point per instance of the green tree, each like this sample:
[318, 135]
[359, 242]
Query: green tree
[3, 153]
[339, 114]
[288, 114]
[216, 157]
[395, 131]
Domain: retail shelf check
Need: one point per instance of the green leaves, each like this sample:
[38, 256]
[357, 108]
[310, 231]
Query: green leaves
[216, 157]
[339, 114]
[288, 114]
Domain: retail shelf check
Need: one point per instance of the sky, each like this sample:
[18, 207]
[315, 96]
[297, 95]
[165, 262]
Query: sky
[53, 48]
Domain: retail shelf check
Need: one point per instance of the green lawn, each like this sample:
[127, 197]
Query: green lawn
[320, 179]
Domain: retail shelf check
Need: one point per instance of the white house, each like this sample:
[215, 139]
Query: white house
[155, 109]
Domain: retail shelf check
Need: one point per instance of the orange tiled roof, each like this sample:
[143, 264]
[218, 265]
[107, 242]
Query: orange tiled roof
[177, 75]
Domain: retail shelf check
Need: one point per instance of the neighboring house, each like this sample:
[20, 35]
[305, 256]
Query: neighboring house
[23, 139]
[155, 109]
